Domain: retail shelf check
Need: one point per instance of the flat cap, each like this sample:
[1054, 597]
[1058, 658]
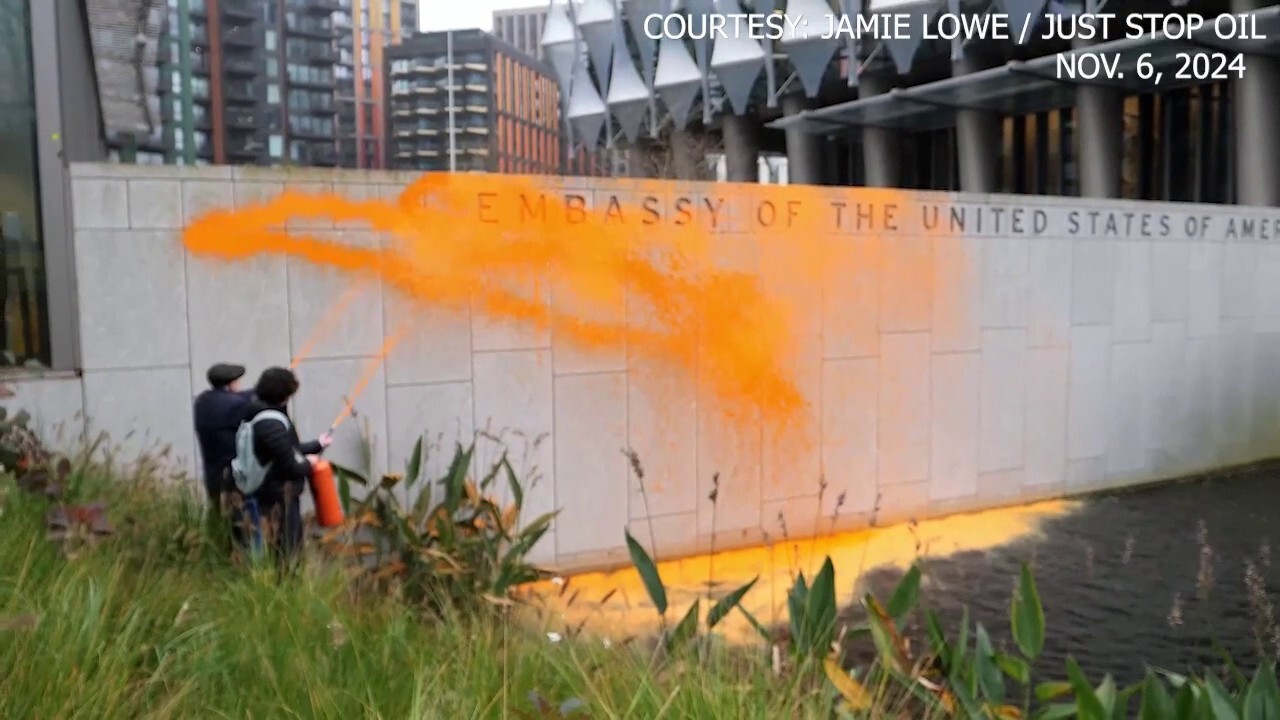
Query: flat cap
[225, 374]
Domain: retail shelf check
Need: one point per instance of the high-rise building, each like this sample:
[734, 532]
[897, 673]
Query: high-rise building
[279, 81]
[365, 29]
[521, 28]
[213, 83]
[502, 108]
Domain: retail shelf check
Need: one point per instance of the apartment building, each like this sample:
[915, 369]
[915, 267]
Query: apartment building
[365, 29]
[272, 82]
[521, 28]
[500, 113]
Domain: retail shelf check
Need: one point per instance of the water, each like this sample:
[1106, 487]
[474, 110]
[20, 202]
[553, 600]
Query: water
[1138, 579]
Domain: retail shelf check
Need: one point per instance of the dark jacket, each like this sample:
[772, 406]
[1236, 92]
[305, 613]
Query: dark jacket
[275, 444]
[217, 414]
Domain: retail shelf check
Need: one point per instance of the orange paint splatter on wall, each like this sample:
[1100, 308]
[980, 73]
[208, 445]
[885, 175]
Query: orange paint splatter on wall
[722, 282]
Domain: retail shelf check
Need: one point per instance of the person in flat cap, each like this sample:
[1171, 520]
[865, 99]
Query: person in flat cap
[218, 412]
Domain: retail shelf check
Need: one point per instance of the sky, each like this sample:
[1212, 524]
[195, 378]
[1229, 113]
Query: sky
[463, 14]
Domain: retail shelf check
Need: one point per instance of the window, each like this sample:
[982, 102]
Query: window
[273, 94]
[275, 146]
[23, 332]
[273, 67]
[271, 40]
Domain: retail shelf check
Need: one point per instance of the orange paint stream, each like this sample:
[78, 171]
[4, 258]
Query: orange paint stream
[370, 370]
[327, 323]
[706, 289]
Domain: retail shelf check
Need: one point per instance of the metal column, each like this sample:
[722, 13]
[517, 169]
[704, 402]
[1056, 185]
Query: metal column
[742, 148]
[184, 72]
[977, 137]
[1257, 124]
[805, 161]
[881, 149]
[1100, 125]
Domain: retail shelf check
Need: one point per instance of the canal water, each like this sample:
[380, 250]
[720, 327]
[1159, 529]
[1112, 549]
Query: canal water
[1157, 577]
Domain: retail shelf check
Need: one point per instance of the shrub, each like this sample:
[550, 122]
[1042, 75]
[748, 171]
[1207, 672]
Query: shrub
[452, 546]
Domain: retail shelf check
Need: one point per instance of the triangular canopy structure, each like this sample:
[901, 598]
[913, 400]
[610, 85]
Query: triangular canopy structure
[628, 97]
[806, 43]
[586, 110]
[903, 49]
[636, 12]
[596, 22]
[560, 43]
[1018, 12]
[677, 79]
[737, 58]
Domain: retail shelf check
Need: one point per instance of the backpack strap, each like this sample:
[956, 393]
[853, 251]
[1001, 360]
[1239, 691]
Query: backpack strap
[272, 415]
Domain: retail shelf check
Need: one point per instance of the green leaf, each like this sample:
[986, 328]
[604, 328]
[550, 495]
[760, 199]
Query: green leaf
[906, 595]
[938, 639]
[648, 573]
[1156, 703]
[1107, 695]
[1015, 667]
[687, 628]
[1026, 616]
[760, 628]
[961, 649]
[796, 599]
[455, 482]
[517, 492]
[990, 681]
[348, 473]
[413, 470]
[820, 610]
[880, 634]
[727, 603]
[1088, 706]
[1262, 699]
[1224, 708]
[1052, 690]
[1060, 711]
[344, 493]
[1186, 704]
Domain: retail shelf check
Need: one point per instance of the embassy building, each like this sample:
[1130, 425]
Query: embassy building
[1117, 110]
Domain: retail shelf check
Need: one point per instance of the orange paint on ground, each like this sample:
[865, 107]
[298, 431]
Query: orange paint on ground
[726, 288]
[615, 604]
[327, 322]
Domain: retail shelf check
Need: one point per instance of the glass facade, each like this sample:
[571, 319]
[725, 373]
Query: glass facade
[23, 307]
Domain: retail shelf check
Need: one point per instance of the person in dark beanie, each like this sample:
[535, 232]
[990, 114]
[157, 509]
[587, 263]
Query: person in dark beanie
[217, 414]
[271, 511]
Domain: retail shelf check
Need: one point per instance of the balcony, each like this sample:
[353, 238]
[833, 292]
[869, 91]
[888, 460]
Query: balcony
[240, 36]
[245, 148]
[306, 81]
[241, 93]
[316, 53]
[242, 120]
[312, 27]
[240, 66]
[316, 7]
[240, 9]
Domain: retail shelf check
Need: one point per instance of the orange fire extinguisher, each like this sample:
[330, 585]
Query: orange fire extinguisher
[325, 492]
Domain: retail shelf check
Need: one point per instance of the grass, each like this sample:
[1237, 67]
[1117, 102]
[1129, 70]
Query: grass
[151, 623]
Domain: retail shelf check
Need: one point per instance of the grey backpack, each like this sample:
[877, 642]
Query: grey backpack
[247, 472]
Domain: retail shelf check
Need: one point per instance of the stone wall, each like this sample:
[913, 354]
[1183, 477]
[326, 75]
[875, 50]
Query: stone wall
[1063, 346]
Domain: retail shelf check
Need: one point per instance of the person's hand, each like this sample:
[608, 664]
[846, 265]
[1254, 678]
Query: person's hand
[313, 459]
[326, 438]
